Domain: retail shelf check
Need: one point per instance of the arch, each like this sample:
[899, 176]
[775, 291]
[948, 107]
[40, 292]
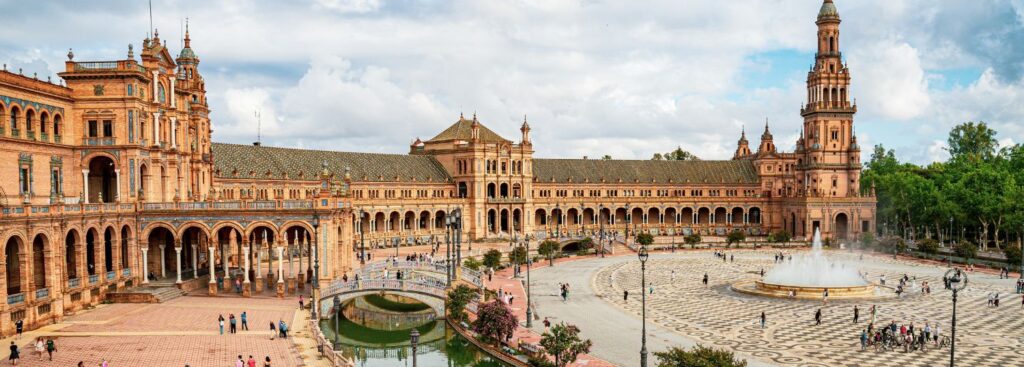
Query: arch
[636, 216]
[721, 215]
[148, 230]
[540, 217]
[588, 216]
[755, 215]
[517, 191]
[570, 247]
[379, 222]
[161, 253]
[424, 221]
[704, 216]
[296, 223]
[439, 219]
[572, 216]
[44, 120]
[620, 215]
[30, 117]
[654, 215]
[792, 224]
[737, 215]
[670, 216]
[221, 225]
[57, 122]
[102, 179]
[407, 221]
[260, 230]
[189, 225]
[71, 244]
[393, 221]
[687, 216]
[40, 245]
[143, 180]
[108, 248]
[491, 221]
[13, 252]
[842, 226]
[517, 220]
[503, 190]
[503, 223]
[491, 188]
[125, 233]
[91, 236]
[15, 111]
[831, 44]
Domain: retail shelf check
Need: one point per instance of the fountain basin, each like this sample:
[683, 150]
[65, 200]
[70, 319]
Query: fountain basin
[760, 288]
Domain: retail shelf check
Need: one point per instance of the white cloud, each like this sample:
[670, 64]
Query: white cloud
[889, 80]
[351, 6]
[938, 151]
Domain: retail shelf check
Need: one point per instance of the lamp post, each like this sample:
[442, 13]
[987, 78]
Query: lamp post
[362, 240]
[583, 227]
[414, 338]
[458, 237]
[337, 315]
[449, 220]
[625, 237]
[529, 310]
[600, 223]
[316, 266]
[643, 297]
[957, 282]
[558, 223]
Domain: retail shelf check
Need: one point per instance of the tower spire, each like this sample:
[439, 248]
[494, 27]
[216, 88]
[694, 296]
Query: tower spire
[188, 39]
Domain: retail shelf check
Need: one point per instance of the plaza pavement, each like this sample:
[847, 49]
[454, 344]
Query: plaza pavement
[179, 332]
[681, 312]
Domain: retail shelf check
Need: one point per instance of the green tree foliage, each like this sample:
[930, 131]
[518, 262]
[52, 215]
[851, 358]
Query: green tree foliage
[966, 250]
[867, 239]
[692, 239]
[457, 300]
[564, 344]
[780, 236]
[928, 246]
[495, 321]
[472, 263]
[734, 237]
[699, 356]
[492, 258]
[676, 155]
[518, 255]
[1012, 253]
[979, 190]
[645, 239]
[586, 243]
[606, 157]
[548, 248]
[892, 243]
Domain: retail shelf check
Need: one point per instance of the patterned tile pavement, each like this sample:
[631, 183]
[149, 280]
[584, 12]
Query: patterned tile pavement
[181, 331]
[720, 317]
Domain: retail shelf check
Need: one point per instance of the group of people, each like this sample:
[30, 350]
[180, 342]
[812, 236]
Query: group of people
[276, 329]
[251, 362]
[505, 298]
[724, 257]
[41, 346]
[563, 290]
[780, 257]
[907, 336]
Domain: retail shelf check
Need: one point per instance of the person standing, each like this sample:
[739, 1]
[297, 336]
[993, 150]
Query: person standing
[19, 326]
[251, 362]
[273, 330]
[232, 324]
[220, 322]
[302, 301]
[817, 317]
[705, 280]
[40, 347]
[856, 314]
[762, 319]
[14, 354]
[266, 362]
[245, 321]
[50, 347]
[863, 340]
[625, 296]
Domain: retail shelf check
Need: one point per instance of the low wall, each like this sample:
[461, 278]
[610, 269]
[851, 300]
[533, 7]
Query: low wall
[490, 350]
[194, 283]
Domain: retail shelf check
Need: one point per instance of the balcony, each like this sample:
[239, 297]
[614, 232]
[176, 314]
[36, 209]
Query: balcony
[94, 66]
[126, 272]
[111, 275]
[44, 137]
[94, 278]
[74, 283]
[15, 133]
[56, 138]
[13, 299]
[30, 135]
[505, 200]
[99, 141]
[43, 293]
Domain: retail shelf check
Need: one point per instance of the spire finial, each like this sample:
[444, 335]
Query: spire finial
[71, 55]
[131, 52]
[188, 39]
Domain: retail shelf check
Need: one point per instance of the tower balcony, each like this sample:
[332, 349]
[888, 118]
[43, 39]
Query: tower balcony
[828, 106]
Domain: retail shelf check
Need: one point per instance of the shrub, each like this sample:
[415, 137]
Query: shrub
[645, 239]
[966, 250]
[472, 263]
[548, 248]
[492, 258]
[518, 255]
[692, 239]
[699, 356]
[928, 246]
[457, 300]
[1012, 253]
[736, 236]
[564, 344]
[586, 244]
[495, 321]
[892, 243]
[867, 239]
[780, 236]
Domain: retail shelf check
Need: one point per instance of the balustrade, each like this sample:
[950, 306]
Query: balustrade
[13, 299]
[43, 293]
[94, 278]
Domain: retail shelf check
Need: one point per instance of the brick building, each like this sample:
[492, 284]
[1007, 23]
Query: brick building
[110, 180]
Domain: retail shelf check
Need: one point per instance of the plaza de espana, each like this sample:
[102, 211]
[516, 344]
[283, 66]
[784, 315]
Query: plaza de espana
[111, 174]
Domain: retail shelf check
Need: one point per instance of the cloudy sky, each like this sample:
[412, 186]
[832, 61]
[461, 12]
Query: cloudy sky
[626, 78]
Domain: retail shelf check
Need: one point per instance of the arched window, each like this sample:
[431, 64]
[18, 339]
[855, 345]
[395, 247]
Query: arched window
[56, 125]
[44, 119]
[14, 118]
[831, 44]
[29, 117]
[161, 95]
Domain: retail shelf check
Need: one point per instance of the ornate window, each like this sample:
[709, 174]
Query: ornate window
[161, 96]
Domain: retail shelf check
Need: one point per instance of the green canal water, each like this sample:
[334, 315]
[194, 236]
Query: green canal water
[379, 337]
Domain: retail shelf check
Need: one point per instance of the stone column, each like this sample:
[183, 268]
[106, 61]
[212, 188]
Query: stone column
[173, 100]
[246, 288]
[225, 255]
[177, 254]
[213, 278]
[291, 269]
[280, 272]
[259, 268]
[156, 128]
[156, 84]
[174, 132]
[85, 185]
[195, 260]
[163, 261]
[302, 271]
[145, 265]
[117, 181]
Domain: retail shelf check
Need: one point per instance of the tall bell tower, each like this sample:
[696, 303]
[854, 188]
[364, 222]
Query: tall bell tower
[830, 162]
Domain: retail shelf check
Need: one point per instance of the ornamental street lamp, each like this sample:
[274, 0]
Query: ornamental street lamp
[414, 338]
[558, 223]
[337, 315]
[628, 219]
[957, 282]
[449, 222]
[529, 262]
[583, 227]
[458, 238]
[643, 297]
[600, 223]
[316, 265]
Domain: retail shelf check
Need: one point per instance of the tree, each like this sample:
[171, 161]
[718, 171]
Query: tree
[518, 255]
[892, 244]
[700, 356]
[586, 243]
[457, 300]
[972, 141]
[736, 236]
[548, 248]
[644, 239]
[867, 239]
[495, 321]
[564, 344]
[780, 236]
[676, 155]
[492, 258]
[606, 157]
[1012, 253]
[692, 239]
[472, 263]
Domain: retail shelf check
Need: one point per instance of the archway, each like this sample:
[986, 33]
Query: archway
[39, 245]
[670, 216]
[439, 219]
[687, 216]
[90, 251]
[124, 246]
[703, 216]
[737, 215]
[379, 222]
[842, 226]
[491, 190]
[161, 252]
[755, 215]
[636, 216]
[71, 255]
[517, 221]
[102, 180]
[143, 181]
[491, 218]
[720, 215]
[13, 268]
[193, 243]
[504, 221]
[108, 249]
[540, 218]
[504, 190]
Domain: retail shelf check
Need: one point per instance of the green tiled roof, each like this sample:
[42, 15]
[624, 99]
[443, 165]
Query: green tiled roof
[629, 171]
[462, 130]
[364, 166]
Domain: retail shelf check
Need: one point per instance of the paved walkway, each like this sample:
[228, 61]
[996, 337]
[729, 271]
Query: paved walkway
[686, 312]
[181, 331]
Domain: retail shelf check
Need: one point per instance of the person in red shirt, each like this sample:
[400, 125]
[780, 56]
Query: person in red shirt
[251, 362]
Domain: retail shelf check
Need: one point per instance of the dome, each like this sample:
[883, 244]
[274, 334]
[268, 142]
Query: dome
[828, 9]
[187, 53]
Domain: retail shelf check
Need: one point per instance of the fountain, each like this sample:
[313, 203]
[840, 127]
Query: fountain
[808, 275]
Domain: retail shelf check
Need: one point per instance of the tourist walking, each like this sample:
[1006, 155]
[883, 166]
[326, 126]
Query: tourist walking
[220, 322]
[283, 329]
[817, 317]
[50, 347]
[856, 314]
[251, 362]
[39, 347]
[625, 296]
[302, 302]
[232, 324]
[14, 354]
[762, 319]
[239, 362]
[19, 326]
[245, 321]
[705, 280]
[863, 339]
[266, 361]
[273, 330]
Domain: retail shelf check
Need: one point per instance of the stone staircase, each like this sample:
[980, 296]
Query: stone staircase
[153, 292]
